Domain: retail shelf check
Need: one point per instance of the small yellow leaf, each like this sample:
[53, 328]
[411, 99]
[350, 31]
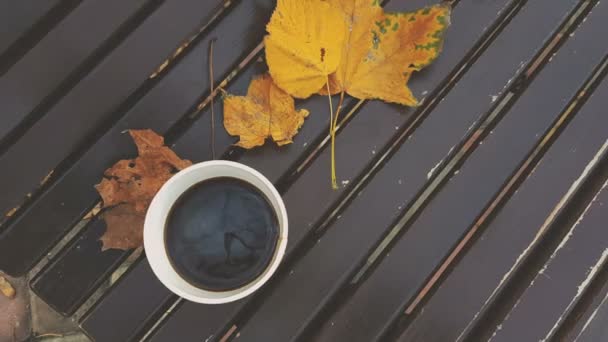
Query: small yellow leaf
[266, 111]
[304, 44]
[6, 289]
[12, 211]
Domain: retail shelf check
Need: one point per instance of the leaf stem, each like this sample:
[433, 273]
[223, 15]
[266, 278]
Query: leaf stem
[334, 182]
[212, 92]
[332, 134]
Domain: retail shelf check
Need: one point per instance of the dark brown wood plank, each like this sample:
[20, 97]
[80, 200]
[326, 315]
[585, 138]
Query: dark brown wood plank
[66, 283]
[72, 194]
[560, 283]
[116, 327]
[594, 326]
[447, 217]
[492, 259]
[593, 305]
[80, 114]
[18, 16]
[64, 49]
[324, 270]
[189, 146]
[187, 324]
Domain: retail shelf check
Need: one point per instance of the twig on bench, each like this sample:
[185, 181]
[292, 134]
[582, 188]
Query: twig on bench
[212, 96]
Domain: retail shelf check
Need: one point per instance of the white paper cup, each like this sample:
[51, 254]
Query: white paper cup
[160, 207]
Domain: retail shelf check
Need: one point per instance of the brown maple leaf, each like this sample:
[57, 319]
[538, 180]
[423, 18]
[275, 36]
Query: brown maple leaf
[124, 228]
[129, 186]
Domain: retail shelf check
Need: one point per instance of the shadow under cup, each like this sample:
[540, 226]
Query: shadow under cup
[215, 232]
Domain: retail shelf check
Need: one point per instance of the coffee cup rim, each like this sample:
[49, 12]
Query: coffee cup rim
[158, 212]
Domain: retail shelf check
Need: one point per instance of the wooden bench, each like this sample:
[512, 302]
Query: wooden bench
[477, 215]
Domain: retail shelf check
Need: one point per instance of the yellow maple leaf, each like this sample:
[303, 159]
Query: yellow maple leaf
[376, 52]
[266, 111]
[383, 50]
[376, 55]
[304, 44]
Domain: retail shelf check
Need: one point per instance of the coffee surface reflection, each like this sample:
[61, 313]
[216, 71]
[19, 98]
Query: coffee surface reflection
[221, 234]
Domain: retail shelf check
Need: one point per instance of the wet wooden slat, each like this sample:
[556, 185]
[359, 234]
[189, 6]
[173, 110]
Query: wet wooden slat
[186, 322]
[188, 147]
[560, 283]
[360, 227]
[19, 16]
[62, 51]
[594, 325]
[113, 327]
[447, 217]
[65, 284]
[492, 258]
[92, 101]
[106, 86]
[595, 305]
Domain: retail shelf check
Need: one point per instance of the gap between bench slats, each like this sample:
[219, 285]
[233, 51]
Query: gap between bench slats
[587, 309]
[86, 106]
[85, 111]
[50, 68]
[490, 260]
[558, 286]
[595, 329]
[26, 22]
[589, 324]
[19, 16]
[447, 217]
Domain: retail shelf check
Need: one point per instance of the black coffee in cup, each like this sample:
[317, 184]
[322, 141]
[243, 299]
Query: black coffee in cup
[221, 234]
